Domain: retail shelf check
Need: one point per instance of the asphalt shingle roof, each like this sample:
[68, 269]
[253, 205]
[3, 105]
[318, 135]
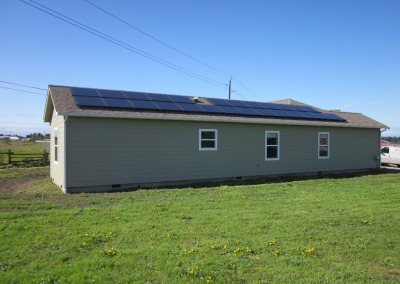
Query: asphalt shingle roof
[60, 99]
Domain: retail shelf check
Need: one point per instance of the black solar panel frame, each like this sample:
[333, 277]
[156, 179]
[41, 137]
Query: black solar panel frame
[140, 104]
[112, 94]
[120, 103]
[94, 101]
[136, 96]
[86, 92]
[167, 106]
[181, 99]
[151, 101]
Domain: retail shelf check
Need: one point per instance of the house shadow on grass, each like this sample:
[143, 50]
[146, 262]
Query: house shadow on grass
[238, 181]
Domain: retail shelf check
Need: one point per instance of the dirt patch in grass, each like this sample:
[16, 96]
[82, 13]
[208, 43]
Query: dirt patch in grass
[13, 180]
[14, 185]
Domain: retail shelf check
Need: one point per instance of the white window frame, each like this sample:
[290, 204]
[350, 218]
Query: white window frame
[215, 140]
[56, 152]
[275, 145]
[321, 145]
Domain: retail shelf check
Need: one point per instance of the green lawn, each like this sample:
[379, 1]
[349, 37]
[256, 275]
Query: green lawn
[342, 229]
[20, 147]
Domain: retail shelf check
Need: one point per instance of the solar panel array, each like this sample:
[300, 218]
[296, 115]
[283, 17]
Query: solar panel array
[161, 102]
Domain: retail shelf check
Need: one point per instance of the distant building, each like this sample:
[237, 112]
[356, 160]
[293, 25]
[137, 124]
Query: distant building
[14, 138]
[384, 143]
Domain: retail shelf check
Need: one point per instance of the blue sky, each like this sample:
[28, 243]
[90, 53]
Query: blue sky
[341, 54]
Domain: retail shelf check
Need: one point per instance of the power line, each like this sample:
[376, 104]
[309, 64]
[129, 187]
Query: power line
[239, 95]
[19, 90]
[120, 43]
[156, 39]
[22, 85]
[170, 46]
[10, 122]
[246, 88]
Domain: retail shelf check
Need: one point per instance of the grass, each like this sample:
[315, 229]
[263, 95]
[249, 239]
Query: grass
[20, 147]
[337, 229]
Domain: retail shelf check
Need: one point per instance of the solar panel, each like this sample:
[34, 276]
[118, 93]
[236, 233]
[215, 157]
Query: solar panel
[302, 108]
[267, 112]
[220, 102]
[111, 94]
[122, 103]
[181, 99]
[231, 110]
[167, 106]
[89, 101]
[239, 104]
[299, 114]
[159, 97]
[84, 92]
[282, 107]
[254, 104]
[191, 107]
[211, 109]
[282, 113]
[333, 116]
[151, 101]
[330, 116]
[143, 104]
[249, 111]
[136, 96]
[313, 115]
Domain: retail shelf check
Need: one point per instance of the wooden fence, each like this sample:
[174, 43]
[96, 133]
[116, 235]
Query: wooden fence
[11, 158]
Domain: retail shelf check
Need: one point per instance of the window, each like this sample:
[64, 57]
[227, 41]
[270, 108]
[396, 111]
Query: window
[208, 139]
[272, 145]
[323, 145]
[56, 145]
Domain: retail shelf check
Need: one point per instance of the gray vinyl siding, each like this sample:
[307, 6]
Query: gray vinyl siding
[57, 168]
[126, 151]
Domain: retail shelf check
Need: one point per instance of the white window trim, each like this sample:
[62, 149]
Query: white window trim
[216, 140]
[329, 145]
[56, 146]
[278, 145]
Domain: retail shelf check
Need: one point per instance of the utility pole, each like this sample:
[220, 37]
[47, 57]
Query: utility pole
[230, 83]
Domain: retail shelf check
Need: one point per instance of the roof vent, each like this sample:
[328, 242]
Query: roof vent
[196, 99]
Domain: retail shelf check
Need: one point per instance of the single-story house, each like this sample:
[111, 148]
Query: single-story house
[104, 140]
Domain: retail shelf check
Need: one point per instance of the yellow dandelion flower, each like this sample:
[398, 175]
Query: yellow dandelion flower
[190, 271]
[310, 250]
[272, 242]
[236, 250]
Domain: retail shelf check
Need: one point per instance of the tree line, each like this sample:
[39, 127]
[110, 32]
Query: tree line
[392, 139]
[32, 136]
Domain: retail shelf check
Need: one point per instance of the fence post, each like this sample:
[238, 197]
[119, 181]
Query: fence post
[9, 156]
[45, 156]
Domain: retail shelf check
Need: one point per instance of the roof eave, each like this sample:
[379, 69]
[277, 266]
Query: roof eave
[49, 107]
[208, 119]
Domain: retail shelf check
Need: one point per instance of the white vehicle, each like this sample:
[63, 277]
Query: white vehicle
[390, 155]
